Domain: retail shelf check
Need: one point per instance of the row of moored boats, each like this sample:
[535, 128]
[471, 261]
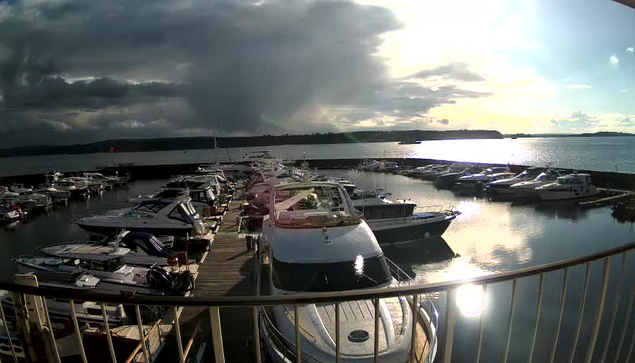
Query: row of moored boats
[544, 183]
[18, 202]
[138, 250]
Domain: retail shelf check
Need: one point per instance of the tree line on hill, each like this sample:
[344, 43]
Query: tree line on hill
[192, 143]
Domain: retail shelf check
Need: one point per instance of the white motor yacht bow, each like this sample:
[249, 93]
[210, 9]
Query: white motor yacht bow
[317, 242]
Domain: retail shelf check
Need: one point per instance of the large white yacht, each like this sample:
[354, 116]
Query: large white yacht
[502, 186]
[315, 241]
[528, 188]
[160, 217]
[483, 177]
[570, 186]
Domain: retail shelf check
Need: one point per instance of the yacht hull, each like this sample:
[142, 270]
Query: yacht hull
[566, 194]
[393, 233]
[113, 230]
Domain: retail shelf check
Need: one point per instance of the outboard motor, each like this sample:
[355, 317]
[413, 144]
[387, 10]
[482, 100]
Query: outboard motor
[182, 283]
[159, 280]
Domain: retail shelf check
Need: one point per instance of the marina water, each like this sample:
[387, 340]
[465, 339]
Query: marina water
[488, 237]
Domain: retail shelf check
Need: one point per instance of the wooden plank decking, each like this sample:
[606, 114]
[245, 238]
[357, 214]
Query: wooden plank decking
[227, 270]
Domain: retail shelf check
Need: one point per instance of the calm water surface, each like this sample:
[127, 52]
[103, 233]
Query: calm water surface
[589, 153]
[488, 236]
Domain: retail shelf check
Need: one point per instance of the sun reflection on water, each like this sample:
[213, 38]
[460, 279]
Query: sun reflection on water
[471, 300]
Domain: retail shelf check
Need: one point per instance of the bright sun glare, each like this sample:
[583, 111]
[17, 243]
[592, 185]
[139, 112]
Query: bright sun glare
[471, 300]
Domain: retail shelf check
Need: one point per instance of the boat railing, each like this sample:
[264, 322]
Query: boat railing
[398, 273]
[590, 332]
[436, 208]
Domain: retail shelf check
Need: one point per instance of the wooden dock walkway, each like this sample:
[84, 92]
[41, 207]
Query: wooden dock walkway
[228, 270]
[611, 197]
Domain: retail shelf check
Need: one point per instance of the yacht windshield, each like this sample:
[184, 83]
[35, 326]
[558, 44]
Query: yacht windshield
[359, 273]
[312, 206]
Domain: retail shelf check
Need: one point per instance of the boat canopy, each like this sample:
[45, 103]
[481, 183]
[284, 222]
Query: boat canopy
[312, 205]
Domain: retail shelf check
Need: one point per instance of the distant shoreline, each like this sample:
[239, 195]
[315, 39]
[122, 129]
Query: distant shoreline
[588, 134]
[198, 143]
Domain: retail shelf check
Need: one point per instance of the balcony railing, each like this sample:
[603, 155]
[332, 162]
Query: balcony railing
[613, 339]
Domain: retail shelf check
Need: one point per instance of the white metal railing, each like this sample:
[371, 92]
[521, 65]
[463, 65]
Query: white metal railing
[615, 340]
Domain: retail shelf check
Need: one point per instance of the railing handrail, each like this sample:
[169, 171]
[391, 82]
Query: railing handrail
[310, 298]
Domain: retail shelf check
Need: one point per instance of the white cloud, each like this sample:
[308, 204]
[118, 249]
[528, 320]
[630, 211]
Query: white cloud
[614, 60]
[630, 49]
[57, 126]
[579, 86]
[576, 121]
[626, 90]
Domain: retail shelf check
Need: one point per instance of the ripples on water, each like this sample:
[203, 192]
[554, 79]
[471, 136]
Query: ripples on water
[589, 153]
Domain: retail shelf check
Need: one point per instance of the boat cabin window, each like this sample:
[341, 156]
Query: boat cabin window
[179, 214]
[386, 211]
[312, 207]
[189, 209]
[168, 194]
[150, 207]
[376, 213]
[543, 177]
[360, 273]
[106, 265]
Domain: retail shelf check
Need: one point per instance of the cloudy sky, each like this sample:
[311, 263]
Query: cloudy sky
[75, 71]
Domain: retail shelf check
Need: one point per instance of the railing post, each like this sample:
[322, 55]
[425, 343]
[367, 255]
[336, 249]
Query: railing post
[537, 322]
[629, 310]
[449, 331]
[298, 344]
[598, 318]
[337, 332]
[480, 324]
[77, 331]
[256, 335]
[111, 347]
[616, 307]
[177, 331]
[582, 305]
[563, 295]
[376, 345]
[6, 328]
[510, 325]
[217, 334]
[146, 354]
[413, 340]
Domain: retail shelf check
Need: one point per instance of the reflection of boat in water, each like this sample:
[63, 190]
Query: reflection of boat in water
[562, 210]
[317, 242]
[434, 250]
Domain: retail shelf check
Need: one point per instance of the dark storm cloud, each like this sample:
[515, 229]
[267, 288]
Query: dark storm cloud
[180, 68]
[56, 92]
[454, 71]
